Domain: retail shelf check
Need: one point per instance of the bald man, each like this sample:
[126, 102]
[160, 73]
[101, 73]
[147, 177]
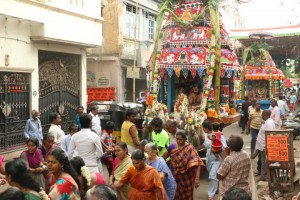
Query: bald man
[261, 142]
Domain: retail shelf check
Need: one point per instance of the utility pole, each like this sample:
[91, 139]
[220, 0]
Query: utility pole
[134, 47]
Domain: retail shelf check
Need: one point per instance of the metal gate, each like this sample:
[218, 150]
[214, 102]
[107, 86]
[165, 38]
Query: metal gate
[14, 108]
[58, 87]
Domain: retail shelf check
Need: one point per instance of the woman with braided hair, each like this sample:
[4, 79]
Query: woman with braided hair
[87, 180]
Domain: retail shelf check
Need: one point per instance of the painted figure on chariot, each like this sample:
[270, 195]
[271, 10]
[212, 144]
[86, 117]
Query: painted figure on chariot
[193, 57]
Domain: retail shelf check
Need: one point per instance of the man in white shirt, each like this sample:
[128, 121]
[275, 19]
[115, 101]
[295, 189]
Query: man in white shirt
[87, 144]
[96, 123]
[55, 128]
[67, 139]
[268, 124]
[282, 106]
[275, 113]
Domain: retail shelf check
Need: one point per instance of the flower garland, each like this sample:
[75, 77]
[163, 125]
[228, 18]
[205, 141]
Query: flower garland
[85, 172]
[209, 82]
[43, 194]
[155, 82]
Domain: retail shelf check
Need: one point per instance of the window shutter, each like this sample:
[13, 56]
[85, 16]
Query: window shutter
[146, 29]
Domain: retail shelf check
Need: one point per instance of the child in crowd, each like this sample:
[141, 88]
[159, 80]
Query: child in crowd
[108, 145]
[219, 135]
[214, 148]
[293, 100]
[215, 137]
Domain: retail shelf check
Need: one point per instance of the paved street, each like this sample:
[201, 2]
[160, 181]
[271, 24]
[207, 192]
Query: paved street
[201, 192]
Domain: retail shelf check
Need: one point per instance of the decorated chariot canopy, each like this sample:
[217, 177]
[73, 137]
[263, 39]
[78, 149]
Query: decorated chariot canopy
[261, 69]
[188, 49]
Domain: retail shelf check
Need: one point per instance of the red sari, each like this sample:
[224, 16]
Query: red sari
[144, 184]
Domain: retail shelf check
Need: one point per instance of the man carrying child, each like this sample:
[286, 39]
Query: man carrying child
[214, 147]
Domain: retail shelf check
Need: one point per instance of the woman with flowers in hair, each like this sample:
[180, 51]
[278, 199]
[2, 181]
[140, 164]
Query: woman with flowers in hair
[64, 182]
[87, 180]
[18, 175]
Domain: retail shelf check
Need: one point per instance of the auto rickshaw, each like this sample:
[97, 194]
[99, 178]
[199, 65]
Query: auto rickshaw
[113, 111]
[140, 108]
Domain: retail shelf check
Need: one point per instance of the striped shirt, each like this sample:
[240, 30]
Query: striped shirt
[235, 169]
[256, 119]
[106, 138]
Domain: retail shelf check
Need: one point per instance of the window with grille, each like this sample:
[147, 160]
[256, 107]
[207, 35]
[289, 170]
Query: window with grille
[130, 8]
[130, 21]
[151, 23]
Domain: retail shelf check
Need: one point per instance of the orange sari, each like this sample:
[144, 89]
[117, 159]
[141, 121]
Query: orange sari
[144, 184]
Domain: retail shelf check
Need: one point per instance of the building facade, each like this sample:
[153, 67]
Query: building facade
[43, 60]
[114, 61]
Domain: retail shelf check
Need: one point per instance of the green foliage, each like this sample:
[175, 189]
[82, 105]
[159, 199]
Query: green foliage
[214, 17]
[213, 3]
[256, 52]
[287, 72]
[289, 67]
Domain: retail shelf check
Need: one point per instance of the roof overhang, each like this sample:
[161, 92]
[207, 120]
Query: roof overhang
[285, 43]
[47, 40]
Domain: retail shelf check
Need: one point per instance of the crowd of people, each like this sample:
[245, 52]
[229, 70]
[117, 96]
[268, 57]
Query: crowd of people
[166, 166]
[256, 121]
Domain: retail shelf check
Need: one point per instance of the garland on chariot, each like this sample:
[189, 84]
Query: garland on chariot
[194, 40]
[259, 67]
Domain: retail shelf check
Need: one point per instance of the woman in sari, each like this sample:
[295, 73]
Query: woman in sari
[48, 145]
[64, 182]
[144, 180]
[121, 163]
[161, 166]
[34, 159]
[185, 166]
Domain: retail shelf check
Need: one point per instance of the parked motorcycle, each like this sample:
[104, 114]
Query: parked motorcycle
[293, 124]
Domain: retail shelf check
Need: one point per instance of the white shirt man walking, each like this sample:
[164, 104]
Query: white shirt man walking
[55, 128]
[96, 123]
[268, 124]
[87, 144]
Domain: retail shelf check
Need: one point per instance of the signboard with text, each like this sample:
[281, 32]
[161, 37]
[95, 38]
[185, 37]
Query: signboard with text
[130, 73]
[103, 79]
[277, 146]
[280, 163]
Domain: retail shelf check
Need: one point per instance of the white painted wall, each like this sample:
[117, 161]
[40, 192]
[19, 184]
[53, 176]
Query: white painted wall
[111, 65]
[21, 20]
[58, 20]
